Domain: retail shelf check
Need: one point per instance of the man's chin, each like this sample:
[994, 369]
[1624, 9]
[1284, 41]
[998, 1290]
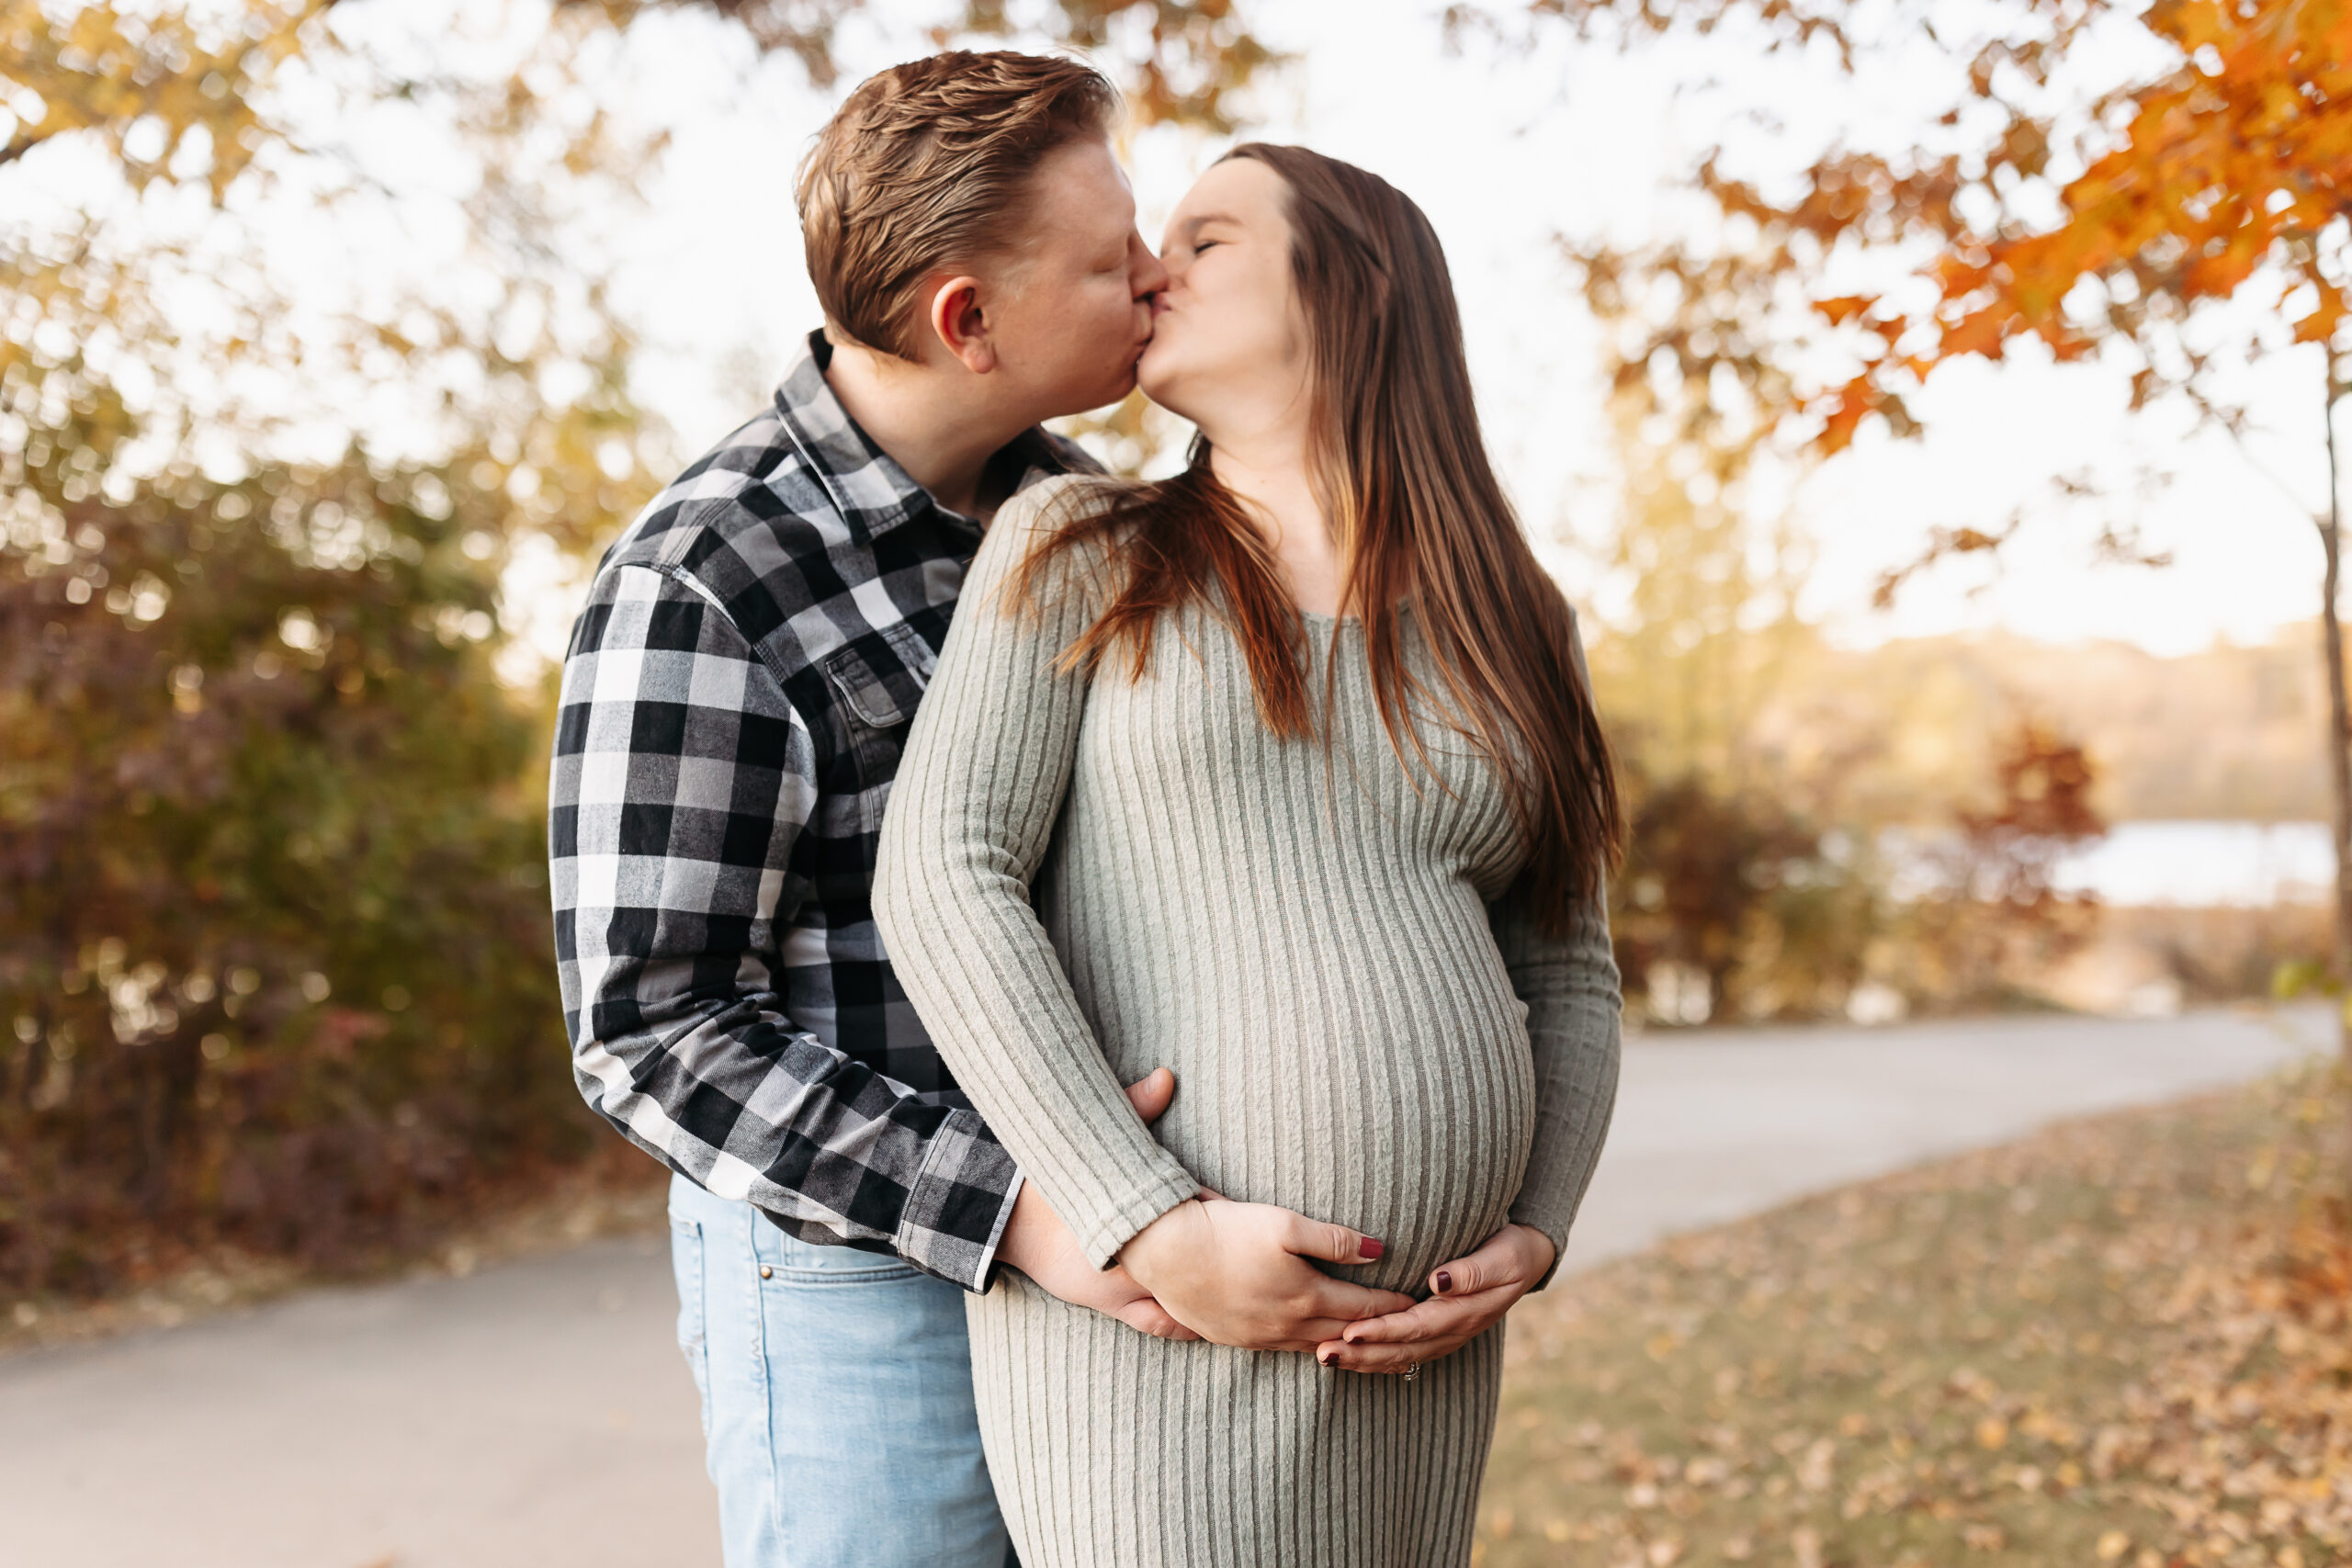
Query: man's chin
[1114, 390]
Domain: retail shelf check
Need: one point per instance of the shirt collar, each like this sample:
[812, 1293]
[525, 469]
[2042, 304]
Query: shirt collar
[866, 483]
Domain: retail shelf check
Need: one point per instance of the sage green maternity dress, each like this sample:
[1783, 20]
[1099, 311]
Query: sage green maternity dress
[1082, 878]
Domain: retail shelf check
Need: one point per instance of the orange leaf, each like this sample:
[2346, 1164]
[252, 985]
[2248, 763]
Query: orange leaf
[1843, 309]
[1857, 399]
[2320, 326]
[1979, 333]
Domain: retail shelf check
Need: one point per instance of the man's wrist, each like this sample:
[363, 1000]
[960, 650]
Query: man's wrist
[1018, 1244]
[1138, 1253]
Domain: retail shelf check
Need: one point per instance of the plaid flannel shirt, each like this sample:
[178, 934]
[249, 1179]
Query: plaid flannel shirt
[735, 700]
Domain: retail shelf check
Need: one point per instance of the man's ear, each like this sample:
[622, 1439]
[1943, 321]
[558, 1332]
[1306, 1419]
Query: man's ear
[960, 322]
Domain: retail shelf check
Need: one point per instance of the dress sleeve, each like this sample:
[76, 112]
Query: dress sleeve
[987, 768]
[1573, 1006]
[1575, 1009]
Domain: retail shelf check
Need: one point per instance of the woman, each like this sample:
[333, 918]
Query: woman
[1284, 773]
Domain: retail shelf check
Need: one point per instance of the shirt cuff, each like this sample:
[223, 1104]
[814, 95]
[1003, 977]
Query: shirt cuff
[957, 1209]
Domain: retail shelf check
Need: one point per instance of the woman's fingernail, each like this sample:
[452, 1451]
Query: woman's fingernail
[1325, 1357]
[1444, 1281]
[1369, 1248]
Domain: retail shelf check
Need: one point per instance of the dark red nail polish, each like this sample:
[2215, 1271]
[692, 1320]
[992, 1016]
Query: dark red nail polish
[1370, 1248]
[1444, 1281]
[1325, 1357]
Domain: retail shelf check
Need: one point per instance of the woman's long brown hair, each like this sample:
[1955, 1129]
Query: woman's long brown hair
[1416, 512]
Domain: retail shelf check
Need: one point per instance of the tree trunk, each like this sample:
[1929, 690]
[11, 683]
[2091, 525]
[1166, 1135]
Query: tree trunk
[2339, 711]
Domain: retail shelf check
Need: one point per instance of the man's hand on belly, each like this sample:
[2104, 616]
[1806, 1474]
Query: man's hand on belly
[1238, 1274]
[1472, 1295]
[1037, 1243]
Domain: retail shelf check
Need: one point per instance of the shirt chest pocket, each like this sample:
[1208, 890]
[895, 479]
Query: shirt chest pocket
[878, 681]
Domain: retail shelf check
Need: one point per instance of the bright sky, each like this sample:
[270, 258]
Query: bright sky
[1503, 153]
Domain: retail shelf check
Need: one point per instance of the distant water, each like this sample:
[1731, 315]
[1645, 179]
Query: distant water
[2193, 865]
[2205, 863]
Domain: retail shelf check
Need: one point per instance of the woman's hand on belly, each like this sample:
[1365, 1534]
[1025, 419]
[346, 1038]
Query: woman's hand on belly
[1472, 1295]
[1237, 1274]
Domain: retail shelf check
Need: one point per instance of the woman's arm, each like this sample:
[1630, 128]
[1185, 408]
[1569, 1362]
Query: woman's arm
[1570, 986]
[987, 766]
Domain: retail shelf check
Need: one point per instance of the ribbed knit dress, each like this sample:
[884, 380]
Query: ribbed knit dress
[1083, 878]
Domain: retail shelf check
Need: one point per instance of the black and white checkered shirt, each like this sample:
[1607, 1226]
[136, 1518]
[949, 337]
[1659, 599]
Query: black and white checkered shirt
[735, 701]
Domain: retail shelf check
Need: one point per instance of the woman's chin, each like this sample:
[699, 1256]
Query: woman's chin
[1155, 380]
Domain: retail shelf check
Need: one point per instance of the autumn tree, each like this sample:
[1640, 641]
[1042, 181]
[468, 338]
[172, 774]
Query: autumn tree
[273, 942]
[2108, 221]
[274, 961]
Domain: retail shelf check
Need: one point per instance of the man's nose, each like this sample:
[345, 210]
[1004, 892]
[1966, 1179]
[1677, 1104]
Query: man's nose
[1150, 275]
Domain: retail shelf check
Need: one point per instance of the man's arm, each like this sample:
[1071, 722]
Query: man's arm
[682, 779]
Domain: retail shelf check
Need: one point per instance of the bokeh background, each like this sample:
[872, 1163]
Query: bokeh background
[1925, 402]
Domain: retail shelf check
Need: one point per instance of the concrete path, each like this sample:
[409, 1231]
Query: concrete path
[1714, 1124]
[539, 1414]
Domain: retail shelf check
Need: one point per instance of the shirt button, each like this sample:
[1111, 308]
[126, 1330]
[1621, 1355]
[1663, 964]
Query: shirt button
[766, 1273]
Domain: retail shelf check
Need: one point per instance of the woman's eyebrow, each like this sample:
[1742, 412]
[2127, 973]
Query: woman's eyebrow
[1202, 220]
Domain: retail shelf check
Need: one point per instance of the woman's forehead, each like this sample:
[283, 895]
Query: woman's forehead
[1238, 191]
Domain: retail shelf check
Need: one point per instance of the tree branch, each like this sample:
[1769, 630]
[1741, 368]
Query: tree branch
[2209, 413]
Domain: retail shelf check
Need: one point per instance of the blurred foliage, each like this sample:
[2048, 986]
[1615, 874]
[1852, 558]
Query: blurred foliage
[1756, 885]
[2102, 181]
[275, 971]
[105, 69]
[1135, 437]
[2224, 167]
[274, 949]
[1188, 61]
[1737, 901]
[1994, 917]
[275, 956]
[1938, 706]
[1734, 906]
[1180, 61]
[1706, 630]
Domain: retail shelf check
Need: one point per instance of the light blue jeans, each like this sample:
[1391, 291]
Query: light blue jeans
[836, 1398]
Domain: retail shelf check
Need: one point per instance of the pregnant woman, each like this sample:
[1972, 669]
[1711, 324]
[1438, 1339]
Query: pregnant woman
[1283, 773]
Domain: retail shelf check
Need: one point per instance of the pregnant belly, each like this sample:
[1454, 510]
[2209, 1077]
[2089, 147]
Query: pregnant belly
[1401, 1104]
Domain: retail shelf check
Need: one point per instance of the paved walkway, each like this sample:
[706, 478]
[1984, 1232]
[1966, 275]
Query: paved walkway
[538, 1413]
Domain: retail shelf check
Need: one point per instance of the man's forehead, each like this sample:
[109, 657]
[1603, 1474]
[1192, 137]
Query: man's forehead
[1084, 171]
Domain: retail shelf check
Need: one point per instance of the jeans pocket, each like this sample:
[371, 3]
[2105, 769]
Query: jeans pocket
[694, 1314]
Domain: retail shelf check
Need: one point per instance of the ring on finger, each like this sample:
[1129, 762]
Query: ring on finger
[1412, 1370]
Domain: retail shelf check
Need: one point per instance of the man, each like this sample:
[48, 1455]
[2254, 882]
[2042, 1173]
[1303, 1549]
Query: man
[735, 701]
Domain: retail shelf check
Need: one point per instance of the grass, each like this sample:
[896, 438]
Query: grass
[2123, 1340]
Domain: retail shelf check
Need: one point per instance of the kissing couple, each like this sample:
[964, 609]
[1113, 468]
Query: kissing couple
[1119, 970]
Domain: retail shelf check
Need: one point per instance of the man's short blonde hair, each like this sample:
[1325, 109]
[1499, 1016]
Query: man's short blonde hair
[926, 166]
